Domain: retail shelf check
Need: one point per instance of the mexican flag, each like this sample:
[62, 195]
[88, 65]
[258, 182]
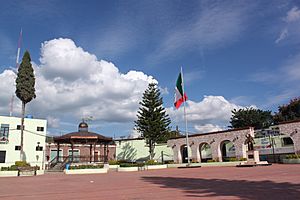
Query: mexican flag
[179, 96]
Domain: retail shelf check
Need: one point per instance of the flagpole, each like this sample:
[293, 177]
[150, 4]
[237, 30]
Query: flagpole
[184, 111]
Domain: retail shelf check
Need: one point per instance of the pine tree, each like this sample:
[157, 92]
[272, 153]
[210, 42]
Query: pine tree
[153, 122]
[25, 90]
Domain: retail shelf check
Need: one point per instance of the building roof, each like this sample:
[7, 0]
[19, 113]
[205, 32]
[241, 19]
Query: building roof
[82, 137]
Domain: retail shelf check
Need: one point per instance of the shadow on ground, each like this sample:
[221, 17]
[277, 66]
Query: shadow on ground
[195, 187]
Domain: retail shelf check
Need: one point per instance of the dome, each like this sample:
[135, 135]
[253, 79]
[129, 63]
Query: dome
[83, 127]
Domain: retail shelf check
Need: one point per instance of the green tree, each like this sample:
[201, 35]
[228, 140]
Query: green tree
[251, 117]
[25, 90]
[168, 135]
[153, 122]
[288, 112]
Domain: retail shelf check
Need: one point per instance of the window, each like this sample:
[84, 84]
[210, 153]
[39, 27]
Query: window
[17, 148]
[4, 131]
[2, 156]
[39, 128]
[287, 141]
[19, 127]
[39, 148]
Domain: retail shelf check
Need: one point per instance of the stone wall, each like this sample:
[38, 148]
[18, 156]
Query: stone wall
[292, 129]
[215, 140]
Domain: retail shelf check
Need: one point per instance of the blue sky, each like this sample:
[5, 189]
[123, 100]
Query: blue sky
[234, 54]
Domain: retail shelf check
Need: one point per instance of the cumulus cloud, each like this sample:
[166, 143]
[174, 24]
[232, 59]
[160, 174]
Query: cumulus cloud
[207, 115]
[134, 134]
[293, 15]
[71, 83]
[206, 128]
[290, 28]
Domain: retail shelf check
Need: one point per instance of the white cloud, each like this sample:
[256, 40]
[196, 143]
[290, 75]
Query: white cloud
[215, 110]
[53, 122]
[290, 29]
[282, 36]
[293, 15]
[206, 128]
[216, 25]
[72, 83]
[164, 91]
[134, 134]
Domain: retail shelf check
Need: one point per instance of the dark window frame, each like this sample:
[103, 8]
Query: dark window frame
[40, 128]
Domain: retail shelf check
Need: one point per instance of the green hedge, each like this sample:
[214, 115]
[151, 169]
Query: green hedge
[86, 167]
[132, 164]
[15, 166]
[292, 156]
[113, 162]
[22, 164]
[152, 162]
[11, 168]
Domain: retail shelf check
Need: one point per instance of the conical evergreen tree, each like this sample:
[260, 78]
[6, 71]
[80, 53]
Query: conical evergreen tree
[153, 122]
[25, 90]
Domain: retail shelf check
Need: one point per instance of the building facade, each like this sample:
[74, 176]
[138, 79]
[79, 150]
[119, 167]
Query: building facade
[220, 146]
[137, 150]
[10, 140]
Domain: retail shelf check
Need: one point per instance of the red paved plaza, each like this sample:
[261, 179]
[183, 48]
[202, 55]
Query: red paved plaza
[272, 182]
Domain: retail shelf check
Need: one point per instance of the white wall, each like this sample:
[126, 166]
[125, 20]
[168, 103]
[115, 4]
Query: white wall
[137, 149]
[31, 138]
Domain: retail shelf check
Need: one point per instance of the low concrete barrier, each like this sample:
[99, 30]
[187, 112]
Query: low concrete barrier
[128, 169]
[86, 171]
[149, 167]
[8, 173]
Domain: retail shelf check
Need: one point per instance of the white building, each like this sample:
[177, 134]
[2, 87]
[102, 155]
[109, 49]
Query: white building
[33, 140]
[136, 149]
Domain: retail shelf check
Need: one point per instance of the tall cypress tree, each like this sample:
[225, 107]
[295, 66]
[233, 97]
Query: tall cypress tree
[153, 122]
[25, 90]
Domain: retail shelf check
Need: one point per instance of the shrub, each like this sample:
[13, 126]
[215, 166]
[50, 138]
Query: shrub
[292, 156]
[22, 164]
[233, 159]
[86, 167]
[113, 162]
[169, 162]
[152, 162]
[243, 159]
[132, 164]
[209, 161]
[11, 168]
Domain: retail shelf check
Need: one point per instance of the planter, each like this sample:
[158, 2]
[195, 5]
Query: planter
[86, 171]
[221, 164]
[155, 167]
[128, 169]
[176, 165]
[8, 173]
[40, 172]
[114, 166]
[291, 161]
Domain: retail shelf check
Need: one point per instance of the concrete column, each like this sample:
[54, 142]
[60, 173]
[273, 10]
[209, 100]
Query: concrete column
[239, 150]
[216, 151]
[195, 152]
[177, 154]
[296, 140]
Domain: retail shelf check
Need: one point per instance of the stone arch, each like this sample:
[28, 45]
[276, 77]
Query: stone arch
[205, 151]
[227, 149]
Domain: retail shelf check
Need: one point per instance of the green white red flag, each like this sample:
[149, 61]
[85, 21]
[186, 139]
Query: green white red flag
[179, 96]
